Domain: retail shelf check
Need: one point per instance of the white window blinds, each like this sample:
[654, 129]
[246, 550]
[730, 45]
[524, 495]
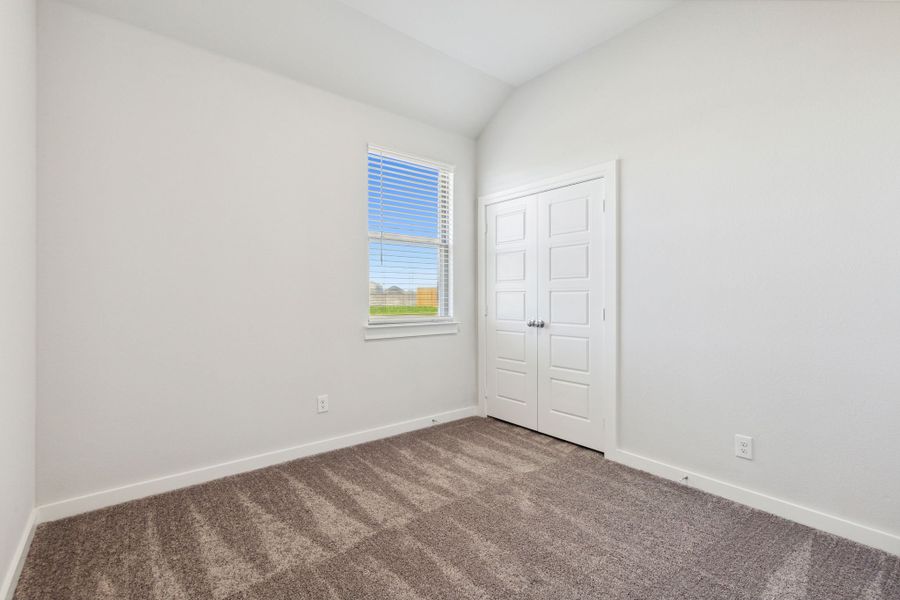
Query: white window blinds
[410, 238]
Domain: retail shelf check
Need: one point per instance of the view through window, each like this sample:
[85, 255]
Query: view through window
[409, 238]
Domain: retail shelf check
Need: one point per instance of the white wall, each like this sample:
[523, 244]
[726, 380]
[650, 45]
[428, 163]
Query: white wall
[760, 253]
[17, 264]
[202, 261]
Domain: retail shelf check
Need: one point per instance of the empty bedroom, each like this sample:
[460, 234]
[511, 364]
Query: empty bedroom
[433, 299]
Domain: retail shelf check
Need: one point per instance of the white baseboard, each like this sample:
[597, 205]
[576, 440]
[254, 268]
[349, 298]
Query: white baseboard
[142, 489]
[11, 577]
[776, 506]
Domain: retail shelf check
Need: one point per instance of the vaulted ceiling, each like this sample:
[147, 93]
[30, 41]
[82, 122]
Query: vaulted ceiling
[512, 40]
[450, 63]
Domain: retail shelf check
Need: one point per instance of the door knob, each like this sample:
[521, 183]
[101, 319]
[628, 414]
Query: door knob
[530, 323]
[539, 323]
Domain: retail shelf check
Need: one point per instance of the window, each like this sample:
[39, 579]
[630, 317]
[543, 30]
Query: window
[410, 239]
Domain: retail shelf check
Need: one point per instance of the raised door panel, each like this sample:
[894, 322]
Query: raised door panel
[570, 262]
[569, 307]
[570, 215]
[569, 399]
[510, 345]
[511, 266]
[571, 353]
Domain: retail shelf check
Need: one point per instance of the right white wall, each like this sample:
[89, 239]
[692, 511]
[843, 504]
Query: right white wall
[760, 237]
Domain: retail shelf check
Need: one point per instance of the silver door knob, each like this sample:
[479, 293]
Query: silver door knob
[530, 323]
[539, 323]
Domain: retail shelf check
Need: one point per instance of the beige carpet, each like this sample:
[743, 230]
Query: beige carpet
[471, 509]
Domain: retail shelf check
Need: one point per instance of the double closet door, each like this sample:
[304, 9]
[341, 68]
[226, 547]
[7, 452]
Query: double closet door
[544, 322]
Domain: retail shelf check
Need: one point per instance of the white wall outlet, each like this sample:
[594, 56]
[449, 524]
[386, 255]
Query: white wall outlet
[743, 446]
[322, 403]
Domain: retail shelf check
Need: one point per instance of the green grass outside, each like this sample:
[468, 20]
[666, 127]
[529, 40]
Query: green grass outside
[403, 310]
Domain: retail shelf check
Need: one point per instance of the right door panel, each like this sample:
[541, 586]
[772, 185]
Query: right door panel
[570, 301]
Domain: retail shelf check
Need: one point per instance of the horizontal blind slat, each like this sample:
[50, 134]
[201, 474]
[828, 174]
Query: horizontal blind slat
[401, 209]
[391, 165]
[429, 183]
[388, 190]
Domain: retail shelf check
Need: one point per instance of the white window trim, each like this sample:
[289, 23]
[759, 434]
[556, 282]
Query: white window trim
[386, 328]
[387, 331]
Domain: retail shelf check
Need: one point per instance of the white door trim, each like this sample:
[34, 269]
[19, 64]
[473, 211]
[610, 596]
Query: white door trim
[610, 375]
[607, 169]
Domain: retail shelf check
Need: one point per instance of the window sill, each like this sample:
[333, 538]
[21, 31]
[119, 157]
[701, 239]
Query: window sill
[387, 331]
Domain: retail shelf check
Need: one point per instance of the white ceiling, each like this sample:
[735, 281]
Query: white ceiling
[450, 63]
[512, 40]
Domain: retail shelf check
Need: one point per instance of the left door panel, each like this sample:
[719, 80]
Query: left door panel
[511, 301]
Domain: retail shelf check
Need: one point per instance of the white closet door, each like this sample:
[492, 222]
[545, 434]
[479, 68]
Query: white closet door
[570, 300]
[511, 276]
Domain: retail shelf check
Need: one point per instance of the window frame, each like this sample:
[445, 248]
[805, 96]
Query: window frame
[410, 325]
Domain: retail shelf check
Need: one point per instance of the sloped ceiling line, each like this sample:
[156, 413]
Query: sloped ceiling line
[450, 64]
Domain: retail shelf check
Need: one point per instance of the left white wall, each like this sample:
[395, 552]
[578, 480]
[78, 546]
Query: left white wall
[17, 276]
[202, 262]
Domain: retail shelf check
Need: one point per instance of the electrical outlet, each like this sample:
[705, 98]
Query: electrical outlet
[743, 446]
[322, 403]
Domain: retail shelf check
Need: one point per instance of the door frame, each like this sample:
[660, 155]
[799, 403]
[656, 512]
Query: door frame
[610, 373]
